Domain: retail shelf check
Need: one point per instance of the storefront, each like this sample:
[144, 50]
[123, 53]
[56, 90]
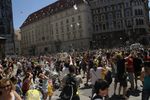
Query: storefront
[2, 47]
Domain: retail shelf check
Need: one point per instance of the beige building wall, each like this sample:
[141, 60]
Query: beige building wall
[63, 31]
[17, 40]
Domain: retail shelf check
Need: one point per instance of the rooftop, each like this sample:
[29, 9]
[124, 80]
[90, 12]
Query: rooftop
[51, 9]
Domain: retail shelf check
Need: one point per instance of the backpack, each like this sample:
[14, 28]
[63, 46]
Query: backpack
[108, 77]
[33, 95]
[70, 88]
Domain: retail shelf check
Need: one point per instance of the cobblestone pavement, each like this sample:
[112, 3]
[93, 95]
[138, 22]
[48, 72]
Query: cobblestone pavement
[86, 93]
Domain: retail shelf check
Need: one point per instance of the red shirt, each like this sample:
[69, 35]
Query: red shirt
[130, 65]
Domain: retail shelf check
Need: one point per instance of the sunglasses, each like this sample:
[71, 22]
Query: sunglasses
[5, 86]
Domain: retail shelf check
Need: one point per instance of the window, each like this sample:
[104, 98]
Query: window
[67, 21]
[110, 16]
[2, 30]
[136, 12]
[73, 27]
[74, 35]
[107, 25]
[56, 30]
[62, 36]
[79, 25]
[73, 19]
[57, 37]
[118, 15]
[127, 4]
[56, 24]
[96, 19]
[139, 21]
[100, 26]
[103, 17]
[96, 28]
[62, 29]
[99, 18]
[80, 34]
[127, 13]
[104, 27]
[79, 17]
[61, 23]
[67, 27]
[140, 11]
[68, 36]
[119, 24]
[111, 25]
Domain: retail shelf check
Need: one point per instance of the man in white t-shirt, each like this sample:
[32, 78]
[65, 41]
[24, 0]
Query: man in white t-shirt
[95, 75]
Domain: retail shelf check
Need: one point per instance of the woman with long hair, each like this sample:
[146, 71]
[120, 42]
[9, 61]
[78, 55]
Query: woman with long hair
[7, 90]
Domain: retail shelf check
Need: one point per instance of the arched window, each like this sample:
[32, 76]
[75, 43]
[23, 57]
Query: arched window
[137, 22]
[96, 19]
[110, 16]
[103, 17]
[136, 12]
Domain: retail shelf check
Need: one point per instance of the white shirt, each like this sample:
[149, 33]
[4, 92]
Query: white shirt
[95, 75]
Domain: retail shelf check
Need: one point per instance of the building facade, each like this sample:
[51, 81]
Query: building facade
[6, 25]
[17, 41]
[2, 48]
[62, 26]
[119, 22]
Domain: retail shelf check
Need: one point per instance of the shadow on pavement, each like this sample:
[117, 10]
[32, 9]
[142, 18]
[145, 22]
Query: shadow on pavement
[135, 93]
[117, 97]
[86, 87]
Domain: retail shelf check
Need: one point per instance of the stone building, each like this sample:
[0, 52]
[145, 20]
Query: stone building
[119, 22]
[6, 25]
[2, 47]
[17, 41]
[62, 26]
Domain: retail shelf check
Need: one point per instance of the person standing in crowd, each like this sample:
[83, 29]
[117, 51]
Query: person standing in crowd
[70, 86]
[137, 64]
[101, 90]
[146, 87]
[83, 65]
[95, 73]
[121, 76]
[130, 69]
[44, 78]
[14, 80]
[7, 90]
[90, 65]
[27, 81]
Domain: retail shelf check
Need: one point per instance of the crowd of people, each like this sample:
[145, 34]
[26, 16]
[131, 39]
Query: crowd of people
[36, 78]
